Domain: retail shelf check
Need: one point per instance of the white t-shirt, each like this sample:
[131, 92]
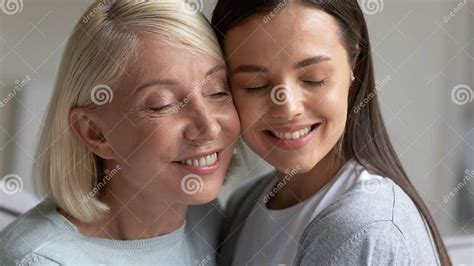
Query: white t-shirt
[270, 237]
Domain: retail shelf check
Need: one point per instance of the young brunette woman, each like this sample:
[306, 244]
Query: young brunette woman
[303, 83]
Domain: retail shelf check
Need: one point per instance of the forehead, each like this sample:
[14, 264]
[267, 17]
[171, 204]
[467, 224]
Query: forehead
[294, 31]
[165, 60]
[157, 60]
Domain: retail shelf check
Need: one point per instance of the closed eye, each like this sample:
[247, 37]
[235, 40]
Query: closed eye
[161, 108]
[318, 83]
[220, 94]
[256, 89]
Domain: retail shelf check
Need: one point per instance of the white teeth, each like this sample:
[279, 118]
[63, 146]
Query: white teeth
[292, 135]
[295, 135]
[203, 161]
[209, 159]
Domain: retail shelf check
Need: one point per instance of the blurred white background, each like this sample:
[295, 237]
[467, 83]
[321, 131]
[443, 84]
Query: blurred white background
[423, 51]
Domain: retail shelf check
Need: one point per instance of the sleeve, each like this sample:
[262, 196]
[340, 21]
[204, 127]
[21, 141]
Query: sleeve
[379, 243]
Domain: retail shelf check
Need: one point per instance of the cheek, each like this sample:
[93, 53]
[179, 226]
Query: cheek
[332, 105]
[333, 109]
[156, 137]
[249, 110]
[145, 139]
[121, 138]
[229, 121]
[250, 113]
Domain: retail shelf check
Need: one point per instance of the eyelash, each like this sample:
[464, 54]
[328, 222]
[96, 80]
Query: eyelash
[318, 83]
[168, 106]
[161, 108]
[220, 94]
[256, 89]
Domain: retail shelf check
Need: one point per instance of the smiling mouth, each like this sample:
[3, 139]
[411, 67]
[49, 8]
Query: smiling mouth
[203, 161]
[292, 135]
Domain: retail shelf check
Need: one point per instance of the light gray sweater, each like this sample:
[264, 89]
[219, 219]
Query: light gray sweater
[379, 226]
[43, 236]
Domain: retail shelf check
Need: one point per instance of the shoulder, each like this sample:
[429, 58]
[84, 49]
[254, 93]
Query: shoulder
[23, 241]
[249, 191]
[375, 219]
[206, 212]
[238, 207]
[367, 202]
[205, 220]
[377, 243]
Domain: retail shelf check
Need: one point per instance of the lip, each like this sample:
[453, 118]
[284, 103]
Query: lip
[291, 128]
[201, 154]
[292, 144]
[202, 170]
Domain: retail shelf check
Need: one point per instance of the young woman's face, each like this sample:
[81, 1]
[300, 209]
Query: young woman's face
[290, 79]
[173, 124]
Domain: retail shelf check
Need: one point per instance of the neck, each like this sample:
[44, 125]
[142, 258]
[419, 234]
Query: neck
[135, 213]
[300, 187]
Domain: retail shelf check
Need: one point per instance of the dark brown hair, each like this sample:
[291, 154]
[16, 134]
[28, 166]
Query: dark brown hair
[365, 137]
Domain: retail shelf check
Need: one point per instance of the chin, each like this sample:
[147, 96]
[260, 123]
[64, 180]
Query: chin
[210, 191]
[287, 161]
[293, 166]
[201, 198]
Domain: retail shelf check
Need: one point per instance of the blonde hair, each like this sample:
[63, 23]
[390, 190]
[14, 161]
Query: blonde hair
[104, 42]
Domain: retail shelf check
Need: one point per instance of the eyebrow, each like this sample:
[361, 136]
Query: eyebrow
[250, 69]
[216, 69]
[158, 82]
[260, 69]
[311, 61]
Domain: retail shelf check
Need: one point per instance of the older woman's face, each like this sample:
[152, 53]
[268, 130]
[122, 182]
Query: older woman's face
[172, 124]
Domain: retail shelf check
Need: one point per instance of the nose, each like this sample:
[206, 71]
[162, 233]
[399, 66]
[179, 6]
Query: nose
[204, 126]
[286, 102]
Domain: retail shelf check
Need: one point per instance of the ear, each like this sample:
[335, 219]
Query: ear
[352, 79]
[86, 128]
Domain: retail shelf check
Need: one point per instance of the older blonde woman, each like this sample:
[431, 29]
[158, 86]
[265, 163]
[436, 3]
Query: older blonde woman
[141, 126]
